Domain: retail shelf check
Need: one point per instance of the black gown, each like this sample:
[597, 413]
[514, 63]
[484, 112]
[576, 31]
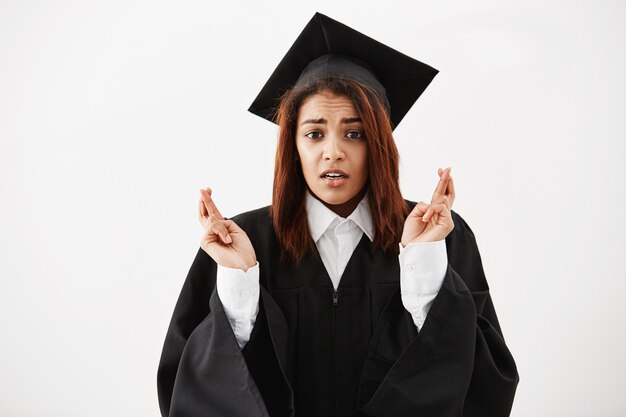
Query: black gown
[319, 352]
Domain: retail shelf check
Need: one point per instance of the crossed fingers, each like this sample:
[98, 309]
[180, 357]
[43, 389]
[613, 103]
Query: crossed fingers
[211, 218]
[444, 192]
[429, 212]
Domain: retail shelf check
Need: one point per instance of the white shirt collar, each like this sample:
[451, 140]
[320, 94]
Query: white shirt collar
[320, 217]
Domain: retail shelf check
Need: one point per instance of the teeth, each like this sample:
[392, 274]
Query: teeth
[333, 176]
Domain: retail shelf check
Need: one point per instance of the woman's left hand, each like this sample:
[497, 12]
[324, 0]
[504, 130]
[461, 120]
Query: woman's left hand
[432, 222]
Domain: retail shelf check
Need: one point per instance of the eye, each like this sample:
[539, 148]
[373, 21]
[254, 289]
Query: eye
[315, 134]
[355, 134]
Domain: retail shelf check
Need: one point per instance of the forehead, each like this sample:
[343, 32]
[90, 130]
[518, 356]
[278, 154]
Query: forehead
[327, 104]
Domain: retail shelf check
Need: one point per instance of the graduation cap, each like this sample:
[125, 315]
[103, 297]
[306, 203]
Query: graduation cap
[327, 47]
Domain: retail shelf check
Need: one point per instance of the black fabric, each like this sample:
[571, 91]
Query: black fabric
[332, 64]
[359, 356]
[401, 77]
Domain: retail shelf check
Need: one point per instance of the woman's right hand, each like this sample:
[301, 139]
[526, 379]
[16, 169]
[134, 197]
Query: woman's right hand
[223, 240]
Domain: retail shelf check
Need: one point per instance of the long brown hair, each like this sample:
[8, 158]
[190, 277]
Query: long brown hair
[288, 210]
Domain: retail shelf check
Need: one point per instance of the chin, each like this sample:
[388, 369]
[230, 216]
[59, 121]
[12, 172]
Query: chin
[334, 198]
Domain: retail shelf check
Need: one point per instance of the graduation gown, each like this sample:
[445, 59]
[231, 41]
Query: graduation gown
[355, 351]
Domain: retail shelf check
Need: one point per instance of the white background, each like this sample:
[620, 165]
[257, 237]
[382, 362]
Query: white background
[114, 113]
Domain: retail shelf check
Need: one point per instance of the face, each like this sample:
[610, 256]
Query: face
[333, 151]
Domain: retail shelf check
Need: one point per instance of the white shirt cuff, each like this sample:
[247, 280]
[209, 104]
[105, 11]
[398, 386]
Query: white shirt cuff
[239, 293]
[423, 267]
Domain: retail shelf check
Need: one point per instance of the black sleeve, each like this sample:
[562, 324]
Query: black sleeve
[495, 377]
[458, 364]
[203, 371]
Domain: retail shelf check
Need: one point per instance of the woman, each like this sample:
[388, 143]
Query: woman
[305, 308]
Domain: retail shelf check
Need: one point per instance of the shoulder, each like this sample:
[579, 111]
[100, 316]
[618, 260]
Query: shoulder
[256, 223]
[258, 226]
[252, 217]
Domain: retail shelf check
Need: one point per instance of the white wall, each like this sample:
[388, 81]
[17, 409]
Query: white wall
[114, 113]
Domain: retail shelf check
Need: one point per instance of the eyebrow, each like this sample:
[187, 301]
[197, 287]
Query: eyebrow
[322, 121]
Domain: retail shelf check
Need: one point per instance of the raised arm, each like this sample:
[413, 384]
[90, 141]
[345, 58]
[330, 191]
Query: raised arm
[459, 363]
[423, 258]
[202, 366]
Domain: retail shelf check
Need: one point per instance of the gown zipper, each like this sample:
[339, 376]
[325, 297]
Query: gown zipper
[335, 359]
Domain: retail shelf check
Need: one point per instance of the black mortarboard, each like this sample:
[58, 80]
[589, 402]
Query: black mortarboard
[328, 47]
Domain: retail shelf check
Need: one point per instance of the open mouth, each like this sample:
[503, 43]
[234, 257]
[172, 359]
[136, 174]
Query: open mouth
[333, 176]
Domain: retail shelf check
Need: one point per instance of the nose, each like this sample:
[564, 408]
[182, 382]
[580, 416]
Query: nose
[333, 150]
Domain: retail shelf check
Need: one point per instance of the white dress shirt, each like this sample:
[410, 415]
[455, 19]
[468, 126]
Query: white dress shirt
[335, 237]
[422, 267]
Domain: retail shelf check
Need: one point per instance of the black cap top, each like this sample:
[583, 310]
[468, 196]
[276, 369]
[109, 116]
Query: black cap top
[327, 47]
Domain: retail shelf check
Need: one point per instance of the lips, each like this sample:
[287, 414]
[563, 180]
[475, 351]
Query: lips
[334, 177]
[334, 174]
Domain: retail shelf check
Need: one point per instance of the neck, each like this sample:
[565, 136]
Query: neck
[345, 209]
